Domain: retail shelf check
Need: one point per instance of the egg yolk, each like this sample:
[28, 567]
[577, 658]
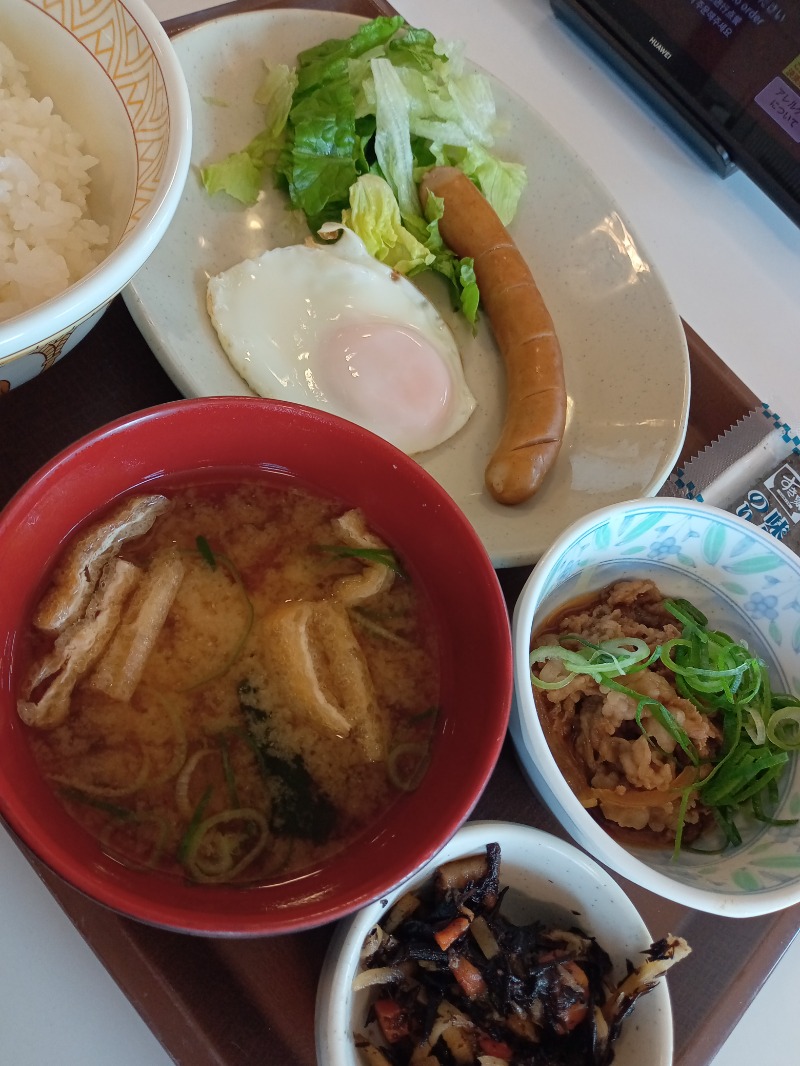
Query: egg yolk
[389, 377]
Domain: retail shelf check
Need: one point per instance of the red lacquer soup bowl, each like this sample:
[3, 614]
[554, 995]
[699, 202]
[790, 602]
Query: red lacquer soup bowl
[245, 436]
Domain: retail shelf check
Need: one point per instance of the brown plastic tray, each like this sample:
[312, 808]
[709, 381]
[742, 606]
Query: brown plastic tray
[232, 1002]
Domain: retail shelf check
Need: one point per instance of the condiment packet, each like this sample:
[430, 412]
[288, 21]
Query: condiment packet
[752, 470]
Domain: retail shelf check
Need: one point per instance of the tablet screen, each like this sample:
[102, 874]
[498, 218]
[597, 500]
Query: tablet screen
[735, 63]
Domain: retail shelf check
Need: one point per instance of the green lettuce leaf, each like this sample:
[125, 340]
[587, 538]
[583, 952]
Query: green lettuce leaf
[241, 174]
[416, 48]
[460, 273]
[500, 182]
[329, 61]
[275, 95]
[393, 136]
[374, 215]
[368, 116]
[322, 159]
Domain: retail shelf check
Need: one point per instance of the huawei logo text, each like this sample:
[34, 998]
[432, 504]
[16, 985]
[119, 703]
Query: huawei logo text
[659, 47]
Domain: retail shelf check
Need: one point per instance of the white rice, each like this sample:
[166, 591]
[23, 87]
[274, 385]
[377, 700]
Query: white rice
[47, 242]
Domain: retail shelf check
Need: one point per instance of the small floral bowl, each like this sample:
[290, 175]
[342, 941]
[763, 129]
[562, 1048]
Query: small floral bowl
[748, 584]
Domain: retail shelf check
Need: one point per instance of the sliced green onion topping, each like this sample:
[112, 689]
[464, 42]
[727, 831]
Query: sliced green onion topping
[610, 659]
[406, 765]
[204, 548]
[188, 842]
[381, 556]
[721, 677]
[124, 814]
[754, 725]
[783, 728]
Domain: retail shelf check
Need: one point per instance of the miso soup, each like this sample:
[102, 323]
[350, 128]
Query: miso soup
[230, 681]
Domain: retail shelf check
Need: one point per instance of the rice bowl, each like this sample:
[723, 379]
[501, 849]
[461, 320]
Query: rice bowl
[47, 239]
[118, 56]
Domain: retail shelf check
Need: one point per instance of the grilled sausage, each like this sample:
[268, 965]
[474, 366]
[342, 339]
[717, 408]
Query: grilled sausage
[536, 401]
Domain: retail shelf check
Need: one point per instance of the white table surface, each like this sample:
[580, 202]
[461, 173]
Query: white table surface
[731, 261]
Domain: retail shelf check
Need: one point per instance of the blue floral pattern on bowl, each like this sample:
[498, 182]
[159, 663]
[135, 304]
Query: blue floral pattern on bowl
[749, 585]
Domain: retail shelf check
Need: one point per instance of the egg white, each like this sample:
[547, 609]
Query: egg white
[329, 326]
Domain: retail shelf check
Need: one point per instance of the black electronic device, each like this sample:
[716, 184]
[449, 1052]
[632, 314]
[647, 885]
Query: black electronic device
[724, 73]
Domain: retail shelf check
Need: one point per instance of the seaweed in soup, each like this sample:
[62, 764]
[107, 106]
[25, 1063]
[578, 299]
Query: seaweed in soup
[299, 807]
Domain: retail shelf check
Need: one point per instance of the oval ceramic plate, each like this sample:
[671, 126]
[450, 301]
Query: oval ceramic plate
[624, 348]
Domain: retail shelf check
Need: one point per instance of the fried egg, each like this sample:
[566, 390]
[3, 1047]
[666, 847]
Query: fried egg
[329, 326]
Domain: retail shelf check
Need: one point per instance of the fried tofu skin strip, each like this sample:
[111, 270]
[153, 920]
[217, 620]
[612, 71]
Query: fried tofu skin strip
[609, 1016]
[536, 398]
[77, 649]
[315, 659]
[120, 670]
[375, 577]
[77, 574]
[661, 956]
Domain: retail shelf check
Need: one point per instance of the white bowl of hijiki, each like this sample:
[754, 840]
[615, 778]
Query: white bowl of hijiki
[657, 701]
[234, 697]
[509, 946]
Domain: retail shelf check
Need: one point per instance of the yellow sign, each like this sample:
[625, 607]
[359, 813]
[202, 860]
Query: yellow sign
[792, 72]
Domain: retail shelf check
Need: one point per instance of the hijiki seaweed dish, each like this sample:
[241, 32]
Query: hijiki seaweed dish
[452, 980]
[663, 726]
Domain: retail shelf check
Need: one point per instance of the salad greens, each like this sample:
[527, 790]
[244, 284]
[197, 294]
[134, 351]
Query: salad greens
[352, 129]
[721, 677]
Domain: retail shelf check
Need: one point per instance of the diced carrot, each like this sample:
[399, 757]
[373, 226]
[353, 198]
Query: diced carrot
[468, 976]
[499, 1048]
[571, 1017]
[451, 932]
[392, 1019]
[576, 1012]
